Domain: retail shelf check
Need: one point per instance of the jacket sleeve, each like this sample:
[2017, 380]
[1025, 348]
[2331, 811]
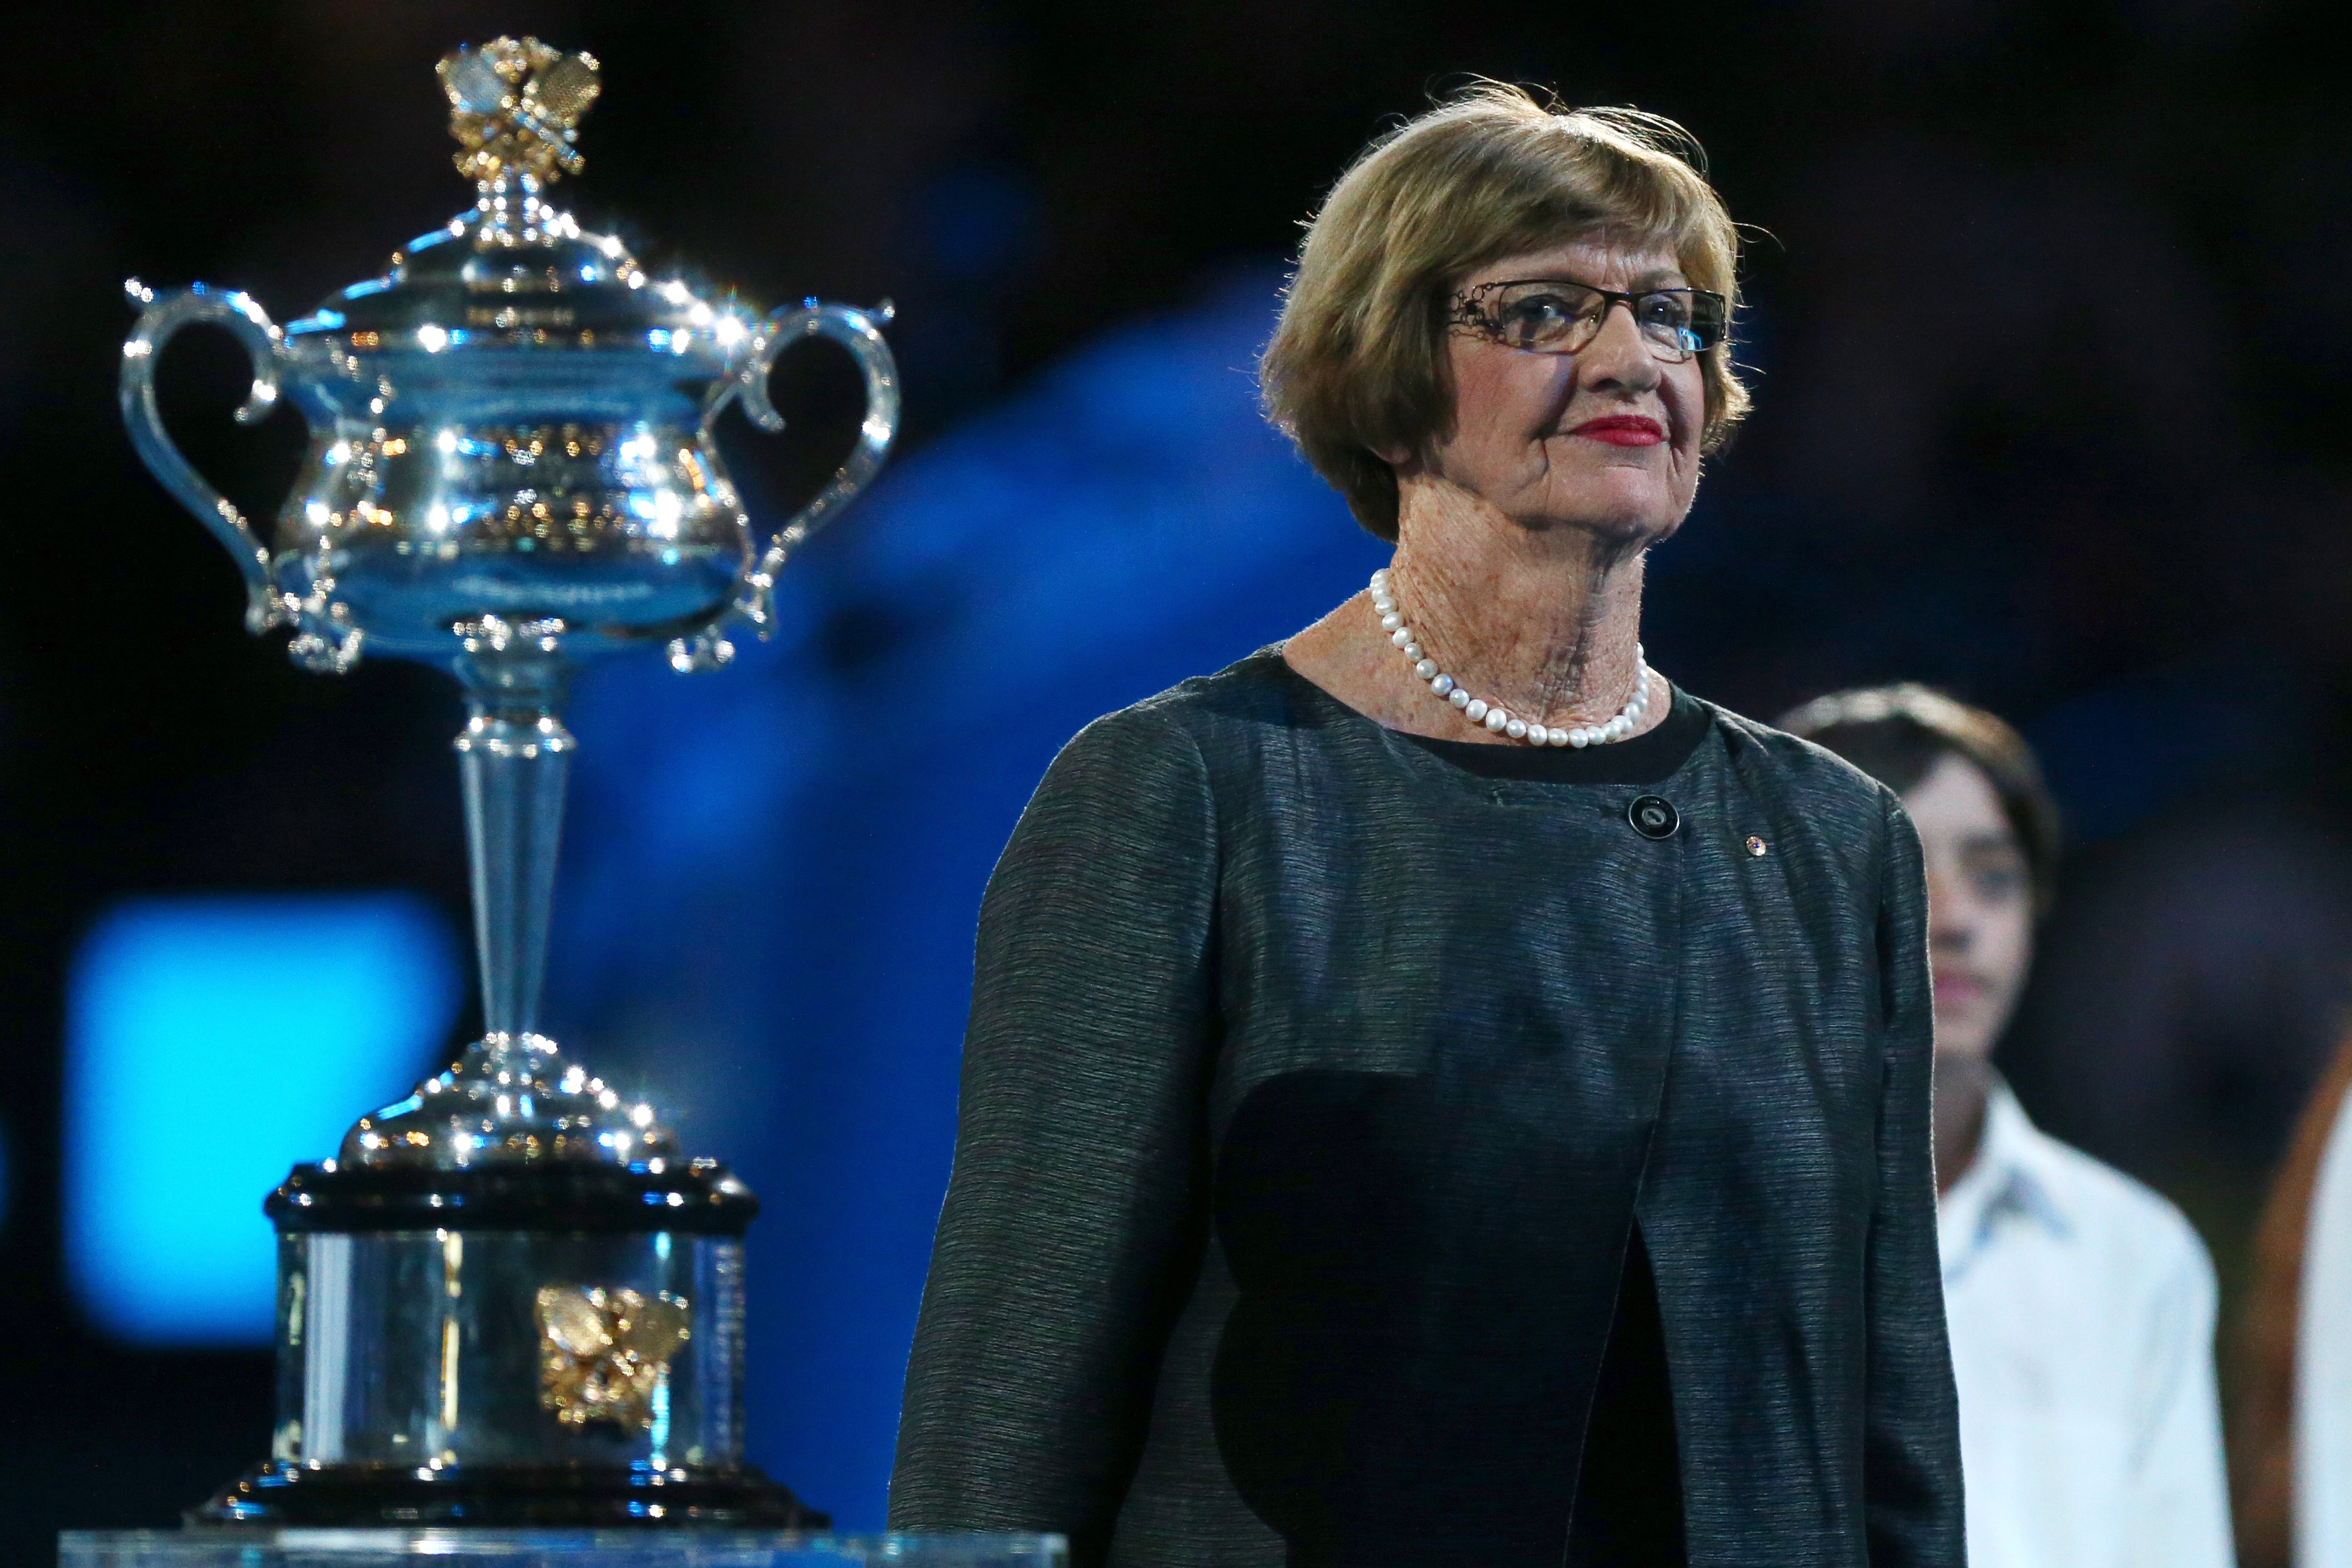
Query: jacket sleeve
[1911, 1449]
[1074, 1216]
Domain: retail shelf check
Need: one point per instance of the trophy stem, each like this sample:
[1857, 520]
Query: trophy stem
[513, 755]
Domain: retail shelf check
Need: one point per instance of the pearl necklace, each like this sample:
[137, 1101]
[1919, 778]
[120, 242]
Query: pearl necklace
[1497, 720]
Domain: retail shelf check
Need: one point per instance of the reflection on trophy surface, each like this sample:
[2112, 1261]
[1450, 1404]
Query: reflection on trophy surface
[511, 1297]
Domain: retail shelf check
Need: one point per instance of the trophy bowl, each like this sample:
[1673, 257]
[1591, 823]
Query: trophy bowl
[510, 1299]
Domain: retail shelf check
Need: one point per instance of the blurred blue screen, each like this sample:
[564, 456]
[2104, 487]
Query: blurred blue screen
[211, 1044]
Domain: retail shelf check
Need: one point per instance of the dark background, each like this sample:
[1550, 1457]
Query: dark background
[2048, 324]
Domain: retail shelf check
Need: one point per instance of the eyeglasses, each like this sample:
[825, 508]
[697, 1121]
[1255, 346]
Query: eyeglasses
[1560, 316]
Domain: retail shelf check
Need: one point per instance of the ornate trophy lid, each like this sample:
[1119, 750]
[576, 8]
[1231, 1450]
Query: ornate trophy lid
[517, 273]
[513, 1136]
[512, 1100]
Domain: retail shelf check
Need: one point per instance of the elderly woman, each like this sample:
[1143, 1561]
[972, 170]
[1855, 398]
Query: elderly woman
[1436, 1092]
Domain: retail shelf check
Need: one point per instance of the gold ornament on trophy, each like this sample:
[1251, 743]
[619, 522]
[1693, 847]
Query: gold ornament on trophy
[607, 1353]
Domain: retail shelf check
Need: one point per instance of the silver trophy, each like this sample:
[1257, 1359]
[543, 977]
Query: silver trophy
[510, 1299]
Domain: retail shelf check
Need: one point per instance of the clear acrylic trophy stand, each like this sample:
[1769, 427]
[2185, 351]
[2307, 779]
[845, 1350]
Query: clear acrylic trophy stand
[552, 1548]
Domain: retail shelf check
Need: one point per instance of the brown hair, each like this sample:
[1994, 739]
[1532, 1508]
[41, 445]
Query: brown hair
[1896, 734]
[1357, 364]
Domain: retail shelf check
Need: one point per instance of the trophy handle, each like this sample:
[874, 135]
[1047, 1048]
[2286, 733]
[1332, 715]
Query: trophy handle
[859, 332]
[160, 316]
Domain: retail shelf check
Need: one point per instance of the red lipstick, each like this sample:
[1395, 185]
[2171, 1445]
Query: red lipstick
[1623, 430]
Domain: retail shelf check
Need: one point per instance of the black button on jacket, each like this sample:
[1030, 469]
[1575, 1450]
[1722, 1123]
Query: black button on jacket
[1320, 1091]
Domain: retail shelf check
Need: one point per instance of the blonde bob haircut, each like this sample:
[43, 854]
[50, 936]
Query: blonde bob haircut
[1357, 364]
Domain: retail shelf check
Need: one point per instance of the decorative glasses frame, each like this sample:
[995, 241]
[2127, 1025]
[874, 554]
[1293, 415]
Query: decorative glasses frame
[1706, 325]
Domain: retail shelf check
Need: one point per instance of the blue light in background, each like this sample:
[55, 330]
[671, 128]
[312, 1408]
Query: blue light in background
[212, 1043]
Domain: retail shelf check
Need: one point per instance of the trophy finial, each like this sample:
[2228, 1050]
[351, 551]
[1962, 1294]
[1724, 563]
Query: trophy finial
[514, 106]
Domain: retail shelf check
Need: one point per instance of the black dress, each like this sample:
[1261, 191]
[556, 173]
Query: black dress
[1334, 1101]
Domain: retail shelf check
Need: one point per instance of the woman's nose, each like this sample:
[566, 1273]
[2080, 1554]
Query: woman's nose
[1618, 354]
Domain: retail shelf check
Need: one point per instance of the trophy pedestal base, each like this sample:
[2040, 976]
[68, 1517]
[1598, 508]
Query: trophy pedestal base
[348, 1497]
[245, 1546]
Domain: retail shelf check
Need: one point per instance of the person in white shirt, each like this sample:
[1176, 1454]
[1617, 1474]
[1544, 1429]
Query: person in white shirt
[2079, 1303]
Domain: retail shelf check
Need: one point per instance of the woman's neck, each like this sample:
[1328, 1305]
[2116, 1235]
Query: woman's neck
[1544, 620]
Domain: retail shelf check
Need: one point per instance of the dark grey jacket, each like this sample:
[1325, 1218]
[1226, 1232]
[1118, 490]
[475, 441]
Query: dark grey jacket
[1314, 1088]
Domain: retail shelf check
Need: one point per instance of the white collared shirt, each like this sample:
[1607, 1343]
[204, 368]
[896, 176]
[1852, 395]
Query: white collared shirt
[2081, 1307]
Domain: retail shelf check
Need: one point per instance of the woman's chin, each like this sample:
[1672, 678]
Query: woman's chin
[1628, 526]
[1619, 503]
